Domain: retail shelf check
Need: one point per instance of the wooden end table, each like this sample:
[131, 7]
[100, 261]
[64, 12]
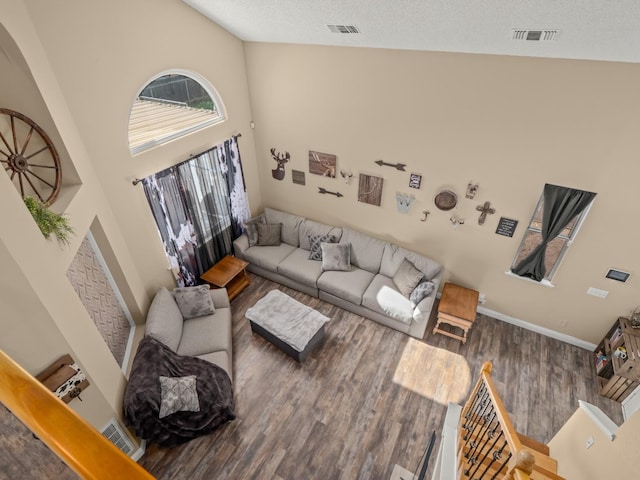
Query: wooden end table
[229, 273]
[457, 308]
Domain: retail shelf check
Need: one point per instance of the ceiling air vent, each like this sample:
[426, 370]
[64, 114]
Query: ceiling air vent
[535, 35]
[343, 28]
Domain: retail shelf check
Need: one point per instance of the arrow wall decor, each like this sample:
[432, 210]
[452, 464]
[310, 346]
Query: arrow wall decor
[399, 166]
[325, 191]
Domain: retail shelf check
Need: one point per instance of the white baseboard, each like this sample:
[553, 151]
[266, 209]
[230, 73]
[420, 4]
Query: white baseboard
[137, 455]
[538, 329]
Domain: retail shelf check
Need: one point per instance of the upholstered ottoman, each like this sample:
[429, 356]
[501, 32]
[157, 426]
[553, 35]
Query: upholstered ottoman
[293, 327]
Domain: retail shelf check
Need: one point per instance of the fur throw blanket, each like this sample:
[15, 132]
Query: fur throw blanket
[143, 395]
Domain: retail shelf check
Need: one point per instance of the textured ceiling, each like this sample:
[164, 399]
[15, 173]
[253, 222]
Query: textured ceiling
[587, 29]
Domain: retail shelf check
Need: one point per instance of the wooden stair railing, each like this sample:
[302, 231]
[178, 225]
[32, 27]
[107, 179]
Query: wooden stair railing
[488, 445]
[85, 450]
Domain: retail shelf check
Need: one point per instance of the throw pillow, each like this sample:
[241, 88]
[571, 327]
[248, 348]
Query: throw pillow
[336, 256]
[269, 234]
[422, 290]
[194, 301]
[407, 277]
[178, 394]
[315, 251]
[250, 228]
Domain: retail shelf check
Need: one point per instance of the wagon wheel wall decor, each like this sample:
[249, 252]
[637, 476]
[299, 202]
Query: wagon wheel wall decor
[29, 157]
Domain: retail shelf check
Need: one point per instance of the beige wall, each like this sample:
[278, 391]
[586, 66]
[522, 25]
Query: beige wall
[605, 458]
[511, 124]
[82, 64]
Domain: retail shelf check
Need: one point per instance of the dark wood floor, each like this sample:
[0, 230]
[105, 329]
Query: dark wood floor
[370, 397]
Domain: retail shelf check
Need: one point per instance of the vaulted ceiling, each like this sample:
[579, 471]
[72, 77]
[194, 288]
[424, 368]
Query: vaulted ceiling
[606, 30]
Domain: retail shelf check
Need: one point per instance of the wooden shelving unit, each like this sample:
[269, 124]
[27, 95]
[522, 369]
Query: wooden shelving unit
[618, 377]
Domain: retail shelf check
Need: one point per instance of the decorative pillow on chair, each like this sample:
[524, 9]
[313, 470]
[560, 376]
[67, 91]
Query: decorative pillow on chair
[336, 256]
[269, 234]
[315, 252]
[194, 301]
[178, 394]
[422, 290]
[251, 229]
[407, 277]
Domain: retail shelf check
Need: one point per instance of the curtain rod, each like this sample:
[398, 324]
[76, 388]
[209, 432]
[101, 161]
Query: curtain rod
[136, 181]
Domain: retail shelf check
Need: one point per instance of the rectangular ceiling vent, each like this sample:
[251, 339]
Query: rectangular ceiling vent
[343, 28]
[535, 35]
[116, 435]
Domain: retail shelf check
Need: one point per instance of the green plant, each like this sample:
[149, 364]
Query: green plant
[49, 222]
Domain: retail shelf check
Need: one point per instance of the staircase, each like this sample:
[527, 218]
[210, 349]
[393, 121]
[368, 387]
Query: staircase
[487, 446]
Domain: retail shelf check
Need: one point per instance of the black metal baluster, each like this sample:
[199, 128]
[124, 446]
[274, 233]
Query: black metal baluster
[484, 404]
[473, 459]
[495, 475]
[495, 456]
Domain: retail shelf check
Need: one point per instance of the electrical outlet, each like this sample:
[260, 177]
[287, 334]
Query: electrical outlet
[482, 298]
[590, 442]
[563, 323]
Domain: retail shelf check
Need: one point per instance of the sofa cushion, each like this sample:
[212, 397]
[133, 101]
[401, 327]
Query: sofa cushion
[298, 267]
[309, 227]
[394, 255]
[206, 334]
[269, 234]
[220, 359]
[315, 244]
[366, 251]
[194, 301]
[335, 256]
[178, 394]
[268, 257]
[164, 320]
[407, 278]
[383, 297]
[349, 285]
[290, 225]
[251, 230]
[422, 290]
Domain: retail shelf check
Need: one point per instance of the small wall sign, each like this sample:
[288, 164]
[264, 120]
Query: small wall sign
[506, 227]
[415, 180]
[297, 176]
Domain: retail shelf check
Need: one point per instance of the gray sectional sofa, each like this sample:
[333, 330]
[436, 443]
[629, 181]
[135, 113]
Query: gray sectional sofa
[369, 286]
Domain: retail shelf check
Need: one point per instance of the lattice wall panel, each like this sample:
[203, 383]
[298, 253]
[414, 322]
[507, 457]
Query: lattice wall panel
[90, 283]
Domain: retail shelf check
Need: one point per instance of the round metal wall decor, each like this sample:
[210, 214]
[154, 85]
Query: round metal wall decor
[446, 200]
[28, 156]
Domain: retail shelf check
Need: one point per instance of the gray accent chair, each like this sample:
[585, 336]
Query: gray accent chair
[208, 337]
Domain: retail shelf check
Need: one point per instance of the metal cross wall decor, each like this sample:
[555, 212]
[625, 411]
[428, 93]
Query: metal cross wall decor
[484, 211]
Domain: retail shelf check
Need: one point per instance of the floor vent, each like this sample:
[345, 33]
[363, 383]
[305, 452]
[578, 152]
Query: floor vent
[343, 28]
[116, 435]
[535, 35]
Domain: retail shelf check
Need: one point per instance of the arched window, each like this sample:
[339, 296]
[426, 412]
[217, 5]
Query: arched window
[173, 104]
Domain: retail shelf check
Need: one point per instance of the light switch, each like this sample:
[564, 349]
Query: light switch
[596, 292]
[590, 442]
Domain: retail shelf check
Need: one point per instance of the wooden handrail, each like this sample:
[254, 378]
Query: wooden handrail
[85, 450]
[485, 422]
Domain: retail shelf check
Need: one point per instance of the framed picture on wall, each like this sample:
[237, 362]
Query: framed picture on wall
[297, 176]
[415, 179]
[370, 189]
[322, 164]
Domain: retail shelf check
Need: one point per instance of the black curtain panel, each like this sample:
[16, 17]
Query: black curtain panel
[561, 205]
[192, 206]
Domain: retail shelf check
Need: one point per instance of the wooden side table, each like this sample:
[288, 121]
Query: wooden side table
[457, 308]
[229, 273]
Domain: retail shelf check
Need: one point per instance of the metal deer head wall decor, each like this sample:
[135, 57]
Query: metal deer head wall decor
[278, 172]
